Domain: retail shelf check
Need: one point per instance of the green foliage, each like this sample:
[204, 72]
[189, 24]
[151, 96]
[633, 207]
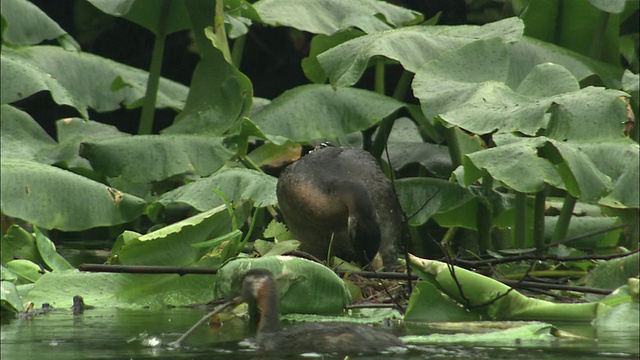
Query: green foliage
[54, 198]
[283, 116]
[483, 120]
[303, 286]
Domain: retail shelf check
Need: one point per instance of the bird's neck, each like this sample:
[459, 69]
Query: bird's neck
[267, 299]
[362, 224]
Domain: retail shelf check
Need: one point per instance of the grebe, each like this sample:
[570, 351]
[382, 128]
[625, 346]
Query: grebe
[259, 289]
[341, 192]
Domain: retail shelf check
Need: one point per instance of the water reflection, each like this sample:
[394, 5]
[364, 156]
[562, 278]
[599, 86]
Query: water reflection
[140, 334]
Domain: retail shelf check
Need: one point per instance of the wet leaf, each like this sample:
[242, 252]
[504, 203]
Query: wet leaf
[304, 286]
[312, 112]
[28, 70]
[136, 158]
[237, 184]
[331, 16]
[10, 298]
[53, 198]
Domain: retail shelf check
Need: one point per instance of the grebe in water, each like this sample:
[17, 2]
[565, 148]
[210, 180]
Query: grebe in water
[259, 289]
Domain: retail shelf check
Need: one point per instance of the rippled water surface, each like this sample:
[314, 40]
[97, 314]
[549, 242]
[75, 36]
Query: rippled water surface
[135, 334]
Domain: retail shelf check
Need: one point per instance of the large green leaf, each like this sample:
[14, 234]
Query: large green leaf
[33, 254]
[312, 112]
[583, 225]
[529, 52]
[330, 16]
[619, 161]
[50, 257]
[304, 286]
[219, 97]
[580, 176]
[602, 172]
[591, 114]
[72, 132]
[17, 243]
[428, 304]
[21, 79]
[171, 245]
[148, 158]
[237, 184]
[516, 165]
[9, 297]
[480, 97]
[22, 137]
[319, 44]
[27, 271]
[406, 147]
[613, 273]
[411, 46]
[471, 289]
[124, 291]
[53, 198]
[64, 74]
[622, 317]
[28, 25]
[146, 13]
[491, 334]
[429, 196]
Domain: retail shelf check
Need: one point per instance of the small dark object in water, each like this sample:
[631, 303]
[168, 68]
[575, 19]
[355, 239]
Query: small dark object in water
[30, 312]
[341, 192]
[259, 288]
[78, 305]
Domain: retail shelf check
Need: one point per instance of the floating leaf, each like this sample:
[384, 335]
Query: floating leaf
[304, 286]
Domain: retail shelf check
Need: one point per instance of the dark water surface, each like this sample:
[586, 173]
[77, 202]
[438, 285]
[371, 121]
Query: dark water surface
[131, 334]
[140, 334]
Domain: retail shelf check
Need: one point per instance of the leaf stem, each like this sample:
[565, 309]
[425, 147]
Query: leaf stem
[238, 50]
[221, 33]
[379, 80]
[454, 146]
[520, 225]
[564, 219]
[598, 37]
[149, 105]
[538, 219]
[404, 83]
[483, 216]
[382, 135]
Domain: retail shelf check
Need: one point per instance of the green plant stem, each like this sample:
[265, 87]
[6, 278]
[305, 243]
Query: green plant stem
[221, 33]
[548, 274]
[447, 239]
[598, 38]
[520, 223]
[379, 80]
[538, 219]
[483, 217]
[149, 105]
[564, 219]
[238, 50]
[249, 232]
[454, 146]
[403, 85]
[251, 164]
[382, 135]
[448, 236]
